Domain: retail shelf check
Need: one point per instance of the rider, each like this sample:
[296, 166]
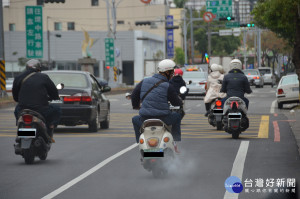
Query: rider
[178, 82]
[235, 83]
[214, 84]
[155, 104]
[32, 90]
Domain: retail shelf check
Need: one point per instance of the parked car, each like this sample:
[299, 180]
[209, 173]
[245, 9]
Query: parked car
[254, 77]
[268, 75]
[9, 84]
[81, 100]
[195, 81]
[287, 90]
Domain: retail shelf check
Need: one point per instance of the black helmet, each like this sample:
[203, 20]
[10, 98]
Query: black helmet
[34, 64]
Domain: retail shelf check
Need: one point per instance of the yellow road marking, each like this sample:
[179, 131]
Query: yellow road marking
[264, 127]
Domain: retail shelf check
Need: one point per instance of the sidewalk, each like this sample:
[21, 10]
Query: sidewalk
[294, 116]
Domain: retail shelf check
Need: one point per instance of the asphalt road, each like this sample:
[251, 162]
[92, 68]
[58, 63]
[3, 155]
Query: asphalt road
[106, 164]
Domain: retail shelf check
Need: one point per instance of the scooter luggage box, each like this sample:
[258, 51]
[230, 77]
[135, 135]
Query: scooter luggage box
[26, 133]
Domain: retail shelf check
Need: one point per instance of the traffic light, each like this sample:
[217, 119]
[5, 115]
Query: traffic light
[206, 58]
[55, 1]
[115, 73]
[249, 25]
[108, 67]
[141, 23]
[226, 18]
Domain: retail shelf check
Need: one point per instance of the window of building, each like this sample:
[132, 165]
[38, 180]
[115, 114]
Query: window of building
[95, 2]
[120, 22]
[57, 26]
[12, 27]
[71, 26]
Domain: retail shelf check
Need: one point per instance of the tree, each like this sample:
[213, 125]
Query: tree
[283, 18]
[179, 3]
[179, 56]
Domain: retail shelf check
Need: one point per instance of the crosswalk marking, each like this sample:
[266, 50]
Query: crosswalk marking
[193, 126]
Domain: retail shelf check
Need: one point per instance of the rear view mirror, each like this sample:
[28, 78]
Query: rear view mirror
[60, 86]
[182, 89]
[128, 96]
[106, 89]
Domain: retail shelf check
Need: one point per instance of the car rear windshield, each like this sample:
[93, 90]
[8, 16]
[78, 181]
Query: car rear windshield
[290, 80]
[265, 71]
[69, 79]
[250, 72]
[194, 75]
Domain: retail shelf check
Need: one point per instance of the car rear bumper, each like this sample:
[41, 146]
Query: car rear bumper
[76, 115]
[287, 100]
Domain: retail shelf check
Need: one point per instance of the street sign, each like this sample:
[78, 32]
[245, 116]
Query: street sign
[208, 16]
[109, 52]
[34, 31]
[226, 32]
[221, 8]
[170, 37]
[236, 32]
[232, 24]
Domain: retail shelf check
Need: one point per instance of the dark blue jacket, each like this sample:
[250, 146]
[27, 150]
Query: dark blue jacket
[155, 103]
[178, 82]
[235, 84]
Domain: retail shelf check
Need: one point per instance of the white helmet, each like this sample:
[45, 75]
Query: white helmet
[165, 65]
[235, 64]
[214, 67]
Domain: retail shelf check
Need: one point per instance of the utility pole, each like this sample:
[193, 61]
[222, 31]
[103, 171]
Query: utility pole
[259, 47]
[192, 36]
[209, 39]
[245, 50]
[2, 57]
[185, 46]
[108, 19]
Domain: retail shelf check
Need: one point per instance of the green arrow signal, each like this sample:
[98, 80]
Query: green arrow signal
[228, 18]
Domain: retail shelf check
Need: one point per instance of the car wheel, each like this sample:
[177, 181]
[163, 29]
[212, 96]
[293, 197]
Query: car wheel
[280, 105]
[272, 85]
[256, 86]
[94, 124]
[105, 124]
[261, 86]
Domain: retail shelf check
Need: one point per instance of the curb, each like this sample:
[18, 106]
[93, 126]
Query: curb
[295, 126]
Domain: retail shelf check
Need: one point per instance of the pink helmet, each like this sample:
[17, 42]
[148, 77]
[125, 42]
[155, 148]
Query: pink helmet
[177, 72]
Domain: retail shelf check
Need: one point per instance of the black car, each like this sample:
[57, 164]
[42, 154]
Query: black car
[81, 100]
[102, 81]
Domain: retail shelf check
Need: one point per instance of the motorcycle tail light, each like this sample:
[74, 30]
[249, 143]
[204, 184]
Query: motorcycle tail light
[280, 91]
[27, 119]
[219, 103]
[166, 139]
[141, 141]
[236, 104]
[153, 142]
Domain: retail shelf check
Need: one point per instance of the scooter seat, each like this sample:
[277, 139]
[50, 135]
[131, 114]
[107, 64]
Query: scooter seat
[155, 122]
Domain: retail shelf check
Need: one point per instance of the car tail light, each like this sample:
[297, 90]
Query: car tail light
[218, 103]
[27, 119]
[280, 91]
[256, 77]
[78, 97]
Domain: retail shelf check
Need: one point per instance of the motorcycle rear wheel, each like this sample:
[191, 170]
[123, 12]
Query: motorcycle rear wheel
[43, 156]
[28, 155]
[235, 134]
[219, 125]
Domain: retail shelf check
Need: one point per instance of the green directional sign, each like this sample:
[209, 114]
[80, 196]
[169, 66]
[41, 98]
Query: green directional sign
[232, 24]
[34, 31]
[221, 8]
[109, 52]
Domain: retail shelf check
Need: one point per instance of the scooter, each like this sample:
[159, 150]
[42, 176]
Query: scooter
[156, 144]
[215, 115]
[32, 138]
[235, 118]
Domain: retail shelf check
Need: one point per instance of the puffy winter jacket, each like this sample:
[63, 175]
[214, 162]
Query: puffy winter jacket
[214, 87]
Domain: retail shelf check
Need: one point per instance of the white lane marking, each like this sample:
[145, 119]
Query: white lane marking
[114, 100]
[87, 173]
[272, 110]
[238, 167]
[126, 104]
[198, 105]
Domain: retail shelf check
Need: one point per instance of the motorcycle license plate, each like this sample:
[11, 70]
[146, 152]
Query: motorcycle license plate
[26, 133]
[153, 153]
